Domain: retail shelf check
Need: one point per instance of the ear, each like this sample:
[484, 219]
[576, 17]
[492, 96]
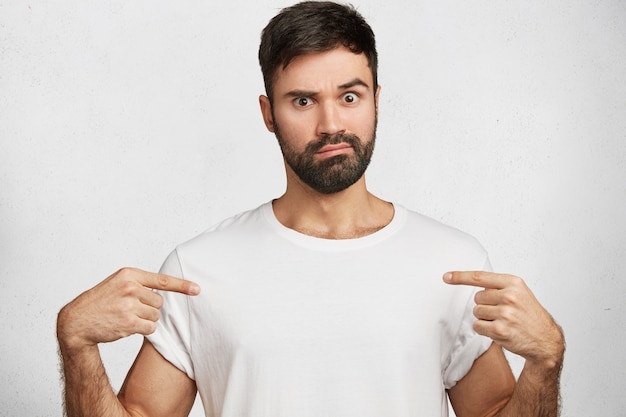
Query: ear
[376, 97]
[266, 112]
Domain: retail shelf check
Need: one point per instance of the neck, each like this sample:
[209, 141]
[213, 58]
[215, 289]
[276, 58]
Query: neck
[348, 214]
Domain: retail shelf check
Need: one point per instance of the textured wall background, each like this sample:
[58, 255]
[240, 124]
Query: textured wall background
[127, 127]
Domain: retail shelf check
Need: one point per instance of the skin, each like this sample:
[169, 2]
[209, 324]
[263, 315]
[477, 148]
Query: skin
[121, 305]
[319, 80]
[317, 94]
[508, 312]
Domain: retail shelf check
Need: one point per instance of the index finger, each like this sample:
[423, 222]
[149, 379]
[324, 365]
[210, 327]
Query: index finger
[168, 283]
[480, 279]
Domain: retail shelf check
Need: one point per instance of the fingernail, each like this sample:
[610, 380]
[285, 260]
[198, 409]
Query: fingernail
[447, 277]
[194, 289]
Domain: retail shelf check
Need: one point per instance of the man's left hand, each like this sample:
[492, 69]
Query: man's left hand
[508, 313]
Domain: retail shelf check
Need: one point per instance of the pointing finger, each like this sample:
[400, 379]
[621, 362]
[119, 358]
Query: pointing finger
[169, 283]
[166, 283]
[477, 279]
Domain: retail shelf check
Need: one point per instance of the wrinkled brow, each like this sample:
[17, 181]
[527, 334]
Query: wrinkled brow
[354, 83]
[310, 93]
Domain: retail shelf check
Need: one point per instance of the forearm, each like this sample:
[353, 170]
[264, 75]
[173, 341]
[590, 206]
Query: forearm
[88, 392]
[536, 393]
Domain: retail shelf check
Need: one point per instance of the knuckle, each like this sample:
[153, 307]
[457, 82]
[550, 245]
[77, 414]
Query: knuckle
[129, 322]
[128, 288]
[125, 272]
[477, 326]
[158, 301]
[500, 330]
[476, 276]
[150, 328]
[516, 281]
[156, 316]
[163, 280]
[481, 296]
[510, 297]
[507, 314]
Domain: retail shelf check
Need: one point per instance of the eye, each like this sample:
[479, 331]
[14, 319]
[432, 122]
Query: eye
[350, 98]
[302, 102]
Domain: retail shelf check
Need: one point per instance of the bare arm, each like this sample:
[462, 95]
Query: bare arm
[486, 388]
[508, 312]
[119, 306]
[154, 387]
[87, 388]
[536, 393]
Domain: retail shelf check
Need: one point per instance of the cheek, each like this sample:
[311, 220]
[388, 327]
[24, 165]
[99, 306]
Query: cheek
[363, 124]
[296, 129]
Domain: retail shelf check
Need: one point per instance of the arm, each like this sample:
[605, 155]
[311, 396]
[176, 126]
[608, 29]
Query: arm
[536, 393]
[119, 306]
[486, 388]
[154, 387]
[87, 388]
[509, 313]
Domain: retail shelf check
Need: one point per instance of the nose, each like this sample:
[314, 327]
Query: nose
[330, 121]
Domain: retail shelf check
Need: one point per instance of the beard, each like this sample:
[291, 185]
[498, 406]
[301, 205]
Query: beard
[330, 175]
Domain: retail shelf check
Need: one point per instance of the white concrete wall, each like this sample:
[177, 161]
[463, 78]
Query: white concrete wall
[127, 127]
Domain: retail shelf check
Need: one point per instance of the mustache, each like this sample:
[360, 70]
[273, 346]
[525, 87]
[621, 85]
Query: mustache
[350, 139]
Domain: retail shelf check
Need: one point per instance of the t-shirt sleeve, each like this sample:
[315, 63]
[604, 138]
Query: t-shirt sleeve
[172, 337]
[467, 345]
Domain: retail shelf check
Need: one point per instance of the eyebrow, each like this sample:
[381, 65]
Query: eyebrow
[300, 93]
[354, 83]
[345, 86]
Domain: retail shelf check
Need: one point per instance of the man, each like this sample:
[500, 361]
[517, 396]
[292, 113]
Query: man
[327, 300]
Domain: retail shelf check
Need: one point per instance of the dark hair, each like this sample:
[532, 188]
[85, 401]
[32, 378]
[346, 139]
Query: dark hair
[311, 27]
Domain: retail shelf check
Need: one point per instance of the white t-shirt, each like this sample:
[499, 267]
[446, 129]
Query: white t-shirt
[291, 325]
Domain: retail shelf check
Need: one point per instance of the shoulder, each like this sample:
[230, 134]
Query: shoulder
[438, 236]
[246, 223]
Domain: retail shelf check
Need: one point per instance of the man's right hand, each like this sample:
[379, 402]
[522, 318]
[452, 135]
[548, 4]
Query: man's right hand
[121, 305]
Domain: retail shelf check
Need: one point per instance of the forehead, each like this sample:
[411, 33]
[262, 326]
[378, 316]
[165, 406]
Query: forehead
[323, 70]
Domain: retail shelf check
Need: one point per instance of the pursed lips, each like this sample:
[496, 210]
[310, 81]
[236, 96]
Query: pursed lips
[332, 150]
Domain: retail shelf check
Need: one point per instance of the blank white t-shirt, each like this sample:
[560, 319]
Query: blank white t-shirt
[291, 325]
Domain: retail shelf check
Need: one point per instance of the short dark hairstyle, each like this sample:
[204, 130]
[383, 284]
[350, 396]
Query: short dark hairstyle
[311, 27]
